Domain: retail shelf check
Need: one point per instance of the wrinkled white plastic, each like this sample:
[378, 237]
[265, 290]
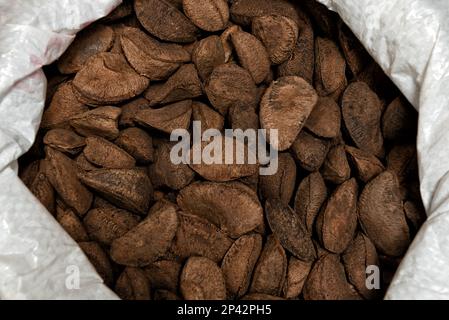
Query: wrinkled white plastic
[410, 41]
[38, 260]
[408, 38]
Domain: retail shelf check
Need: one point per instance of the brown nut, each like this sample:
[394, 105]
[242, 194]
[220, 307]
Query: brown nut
[107, 224]
[137, 143]
[281, 185]
[163, 20]
[87, 43]
[310, 196]
[149, 57]
[107, 79]
[210, 200]
[105, 154]
[290, 230]
[168, 118]
[61, 171]
[230, 85]
[198, 237]
[252, 55]
[381, 213]
[278, 34]
[102, 122]
[149, 240]
[310, 151]
[63, 106]
[285, 106]
[207, 54]
[337, 221]
[202, 279]
[327, 281]
[239, 262]
[361, 114]
[164, 173]
[271, 269]
[183, 84]
[209, 15]
[133, 285]
[336, 167]
[129, 189]
[71, 224]
[325, 119]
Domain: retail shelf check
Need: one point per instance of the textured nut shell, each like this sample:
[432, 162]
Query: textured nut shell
[399, 120]
[381, 213]
[330, 67]
[164, 173]
[137, 143]
[297, 273]
[221, 172]
[107, 224]
[62, 173]
[310, 151]
[302, 61]
[327, 281]
[209, 15]
[252, 55]
[87, 43]
[198, 237]
[337, 221]
[133, 285]
[207, 54]
[129, 189]
[163, 20]
[102, 122]
[244, 11]
[64, 140]
[310, 196]
[336, 167]
[149, 57]
[355, 54]
[202, 279]
[239, 262]
[163, 274]
[130, 109]
[281, 185]
[71, 224]
[183, 84]
[107, 78]
[168, 118]
[271, 269]
[278, 34]
[325, 119]
[359, 255]
[209, 118]
[208, 200]
[63, 106]
[361, 114]
[285, 106]
[149, 240]
[105, 154]
[366, 164]
[230, 85]
[290, 230]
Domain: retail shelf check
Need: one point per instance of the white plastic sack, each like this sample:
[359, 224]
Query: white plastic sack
[408, 38]
[410, 41]
[36, 255]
